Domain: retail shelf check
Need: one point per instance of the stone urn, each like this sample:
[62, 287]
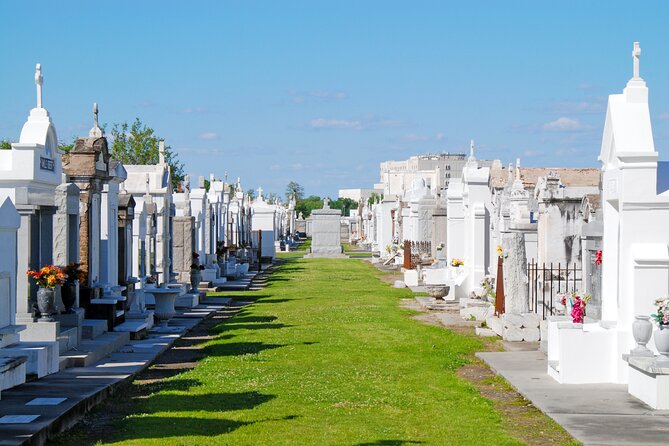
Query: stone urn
[662, 345]
[45, 304]
[437, 291]
[195, 279]
[164, 308]
[68, 292]
[642, 329]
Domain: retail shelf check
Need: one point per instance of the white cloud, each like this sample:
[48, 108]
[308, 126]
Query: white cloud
[531, 153]
[208, 136]
[590, 105]
[368, 122]
[301, 97]
[663, 116]
[322, 123]
[565, 124]
[412, 137]
[440, 136]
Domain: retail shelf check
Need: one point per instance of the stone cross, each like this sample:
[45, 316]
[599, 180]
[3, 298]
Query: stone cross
[517, 169]
[260, 193]
[95, 131]
[636, 54]
[471, 151]
[161, 152]
[38, 83]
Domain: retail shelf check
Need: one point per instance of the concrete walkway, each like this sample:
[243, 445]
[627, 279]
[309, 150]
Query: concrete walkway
[32, 412]
[595, 414]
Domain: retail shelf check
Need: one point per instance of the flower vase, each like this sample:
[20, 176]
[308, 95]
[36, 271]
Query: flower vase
[68, 292]
[642, 329]
[662, 345]
[45, 304]
[195, 279]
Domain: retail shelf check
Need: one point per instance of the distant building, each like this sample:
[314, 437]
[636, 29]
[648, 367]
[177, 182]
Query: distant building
[437, 170]
[358, 194]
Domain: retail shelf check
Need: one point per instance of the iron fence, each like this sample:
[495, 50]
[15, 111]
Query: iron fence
[544, 282]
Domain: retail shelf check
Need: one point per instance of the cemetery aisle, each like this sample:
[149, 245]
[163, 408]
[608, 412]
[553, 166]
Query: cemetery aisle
[324, 355]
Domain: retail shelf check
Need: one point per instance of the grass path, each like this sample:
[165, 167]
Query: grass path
[324, 356]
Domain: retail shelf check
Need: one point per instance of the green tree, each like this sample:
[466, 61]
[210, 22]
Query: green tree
[374, 198]
[251, 193]
[345, 204]
[138, 144]
[5, 144]
[66, 148]
[306, 205]
[294, 188]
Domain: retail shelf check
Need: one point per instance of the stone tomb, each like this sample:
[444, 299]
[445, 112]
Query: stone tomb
[326, 239]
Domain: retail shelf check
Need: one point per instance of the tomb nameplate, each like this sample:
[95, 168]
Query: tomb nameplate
[46, 164]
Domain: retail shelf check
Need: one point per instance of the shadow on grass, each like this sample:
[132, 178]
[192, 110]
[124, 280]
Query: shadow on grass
[390, 443]
[233, 326]
[163, 427]
[182, 385]
[213, 402]
[239, 348]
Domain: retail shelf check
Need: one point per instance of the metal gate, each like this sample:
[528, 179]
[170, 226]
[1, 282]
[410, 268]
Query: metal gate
[544, 282]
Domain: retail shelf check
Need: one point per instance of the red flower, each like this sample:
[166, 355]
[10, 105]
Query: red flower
[598, 257]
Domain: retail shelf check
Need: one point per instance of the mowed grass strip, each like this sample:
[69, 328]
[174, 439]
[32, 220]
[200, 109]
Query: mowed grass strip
[324, 356]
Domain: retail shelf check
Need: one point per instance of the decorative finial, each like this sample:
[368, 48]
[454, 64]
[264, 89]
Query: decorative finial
[517, 169]
[226, 177]
[38, 83]
[260, 190]
[95, 131]
[471, 151]
[147, 184]
[326, 203]
[161, 152]
[510, 175]
[187, 182]
[636, 55]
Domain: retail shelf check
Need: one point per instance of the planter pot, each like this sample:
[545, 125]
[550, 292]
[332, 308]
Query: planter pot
[45, 304]
[662, 345]
[195, 279]
[438, 291]
[642, 329]
[68, 292]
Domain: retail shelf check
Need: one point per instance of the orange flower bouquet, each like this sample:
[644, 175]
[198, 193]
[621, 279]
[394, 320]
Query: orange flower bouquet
[49, 276]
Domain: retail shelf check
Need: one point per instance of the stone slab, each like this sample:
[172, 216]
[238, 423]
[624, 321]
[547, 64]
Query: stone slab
[45, 401]
[84, 387]
[595, 414]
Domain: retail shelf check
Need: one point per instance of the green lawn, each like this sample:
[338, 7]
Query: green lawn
[324, 356]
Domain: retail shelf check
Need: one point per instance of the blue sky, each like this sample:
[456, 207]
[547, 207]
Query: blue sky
[320, 92]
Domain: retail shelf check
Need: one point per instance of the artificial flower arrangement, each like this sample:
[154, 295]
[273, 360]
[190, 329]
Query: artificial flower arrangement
[598, 257]
[49, 276]
[500, 251]
[457, 263]
[74, 273]
[576, 303]
[662, 315]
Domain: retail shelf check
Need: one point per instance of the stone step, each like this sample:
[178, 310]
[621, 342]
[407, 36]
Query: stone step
[92, 350]
[42, 357]
[92, 328]
[67, 339]
[188, 300]
[12, 371]
[485, 332]
[136, 328]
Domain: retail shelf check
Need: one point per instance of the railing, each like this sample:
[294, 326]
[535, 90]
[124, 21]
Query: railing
[544, 282]
[413, 252]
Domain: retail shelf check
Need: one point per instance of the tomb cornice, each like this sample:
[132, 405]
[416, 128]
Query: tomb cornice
[658, 204]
